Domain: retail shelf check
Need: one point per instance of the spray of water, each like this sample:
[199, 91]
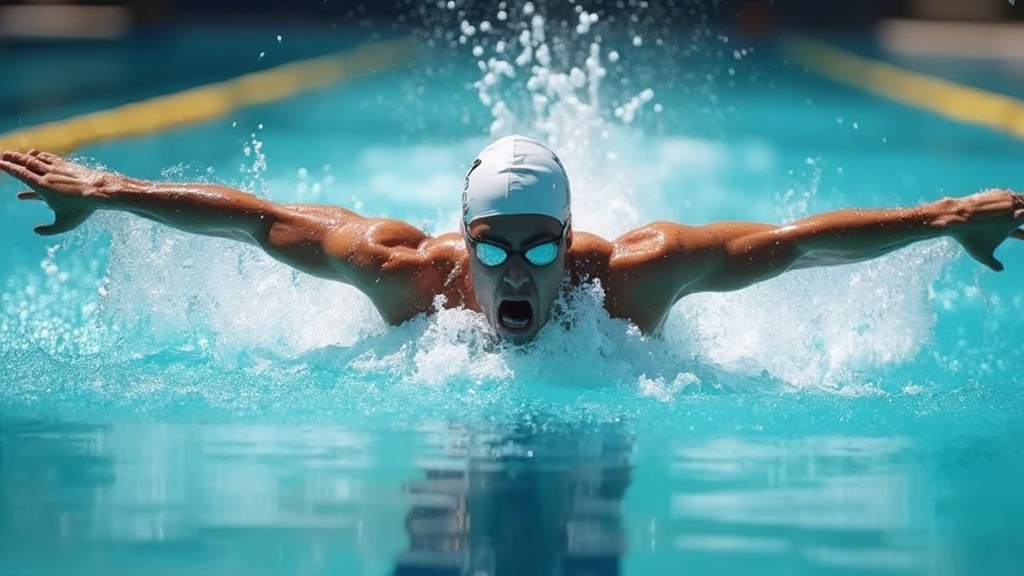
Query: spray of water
[550, 86]
[162, 292]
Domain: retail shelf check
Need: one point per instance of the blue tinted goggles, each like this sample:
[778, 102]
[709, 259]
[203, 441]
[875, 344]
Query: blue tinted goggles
[490, 254]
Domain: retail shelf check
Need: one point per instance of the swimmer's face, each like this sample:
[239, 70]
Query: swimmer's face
[516, 295]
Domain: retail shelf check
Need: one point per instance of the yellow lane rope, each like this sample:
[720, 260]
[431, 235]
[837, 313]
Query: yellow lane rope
[955, 101]
[208, 102]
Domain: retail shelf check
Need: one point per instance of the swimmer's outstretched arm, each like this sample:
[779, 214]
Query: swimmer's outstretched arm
[295, 234]
[729, 256]
[378, 256]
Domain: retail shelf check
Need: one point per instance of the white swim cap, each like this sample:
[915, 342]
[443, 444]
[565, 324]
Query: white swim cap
[516, 175]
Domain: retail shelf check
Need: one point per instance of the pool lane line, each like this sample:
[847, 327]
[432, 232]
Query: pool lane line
[944, 97]
[210, 101]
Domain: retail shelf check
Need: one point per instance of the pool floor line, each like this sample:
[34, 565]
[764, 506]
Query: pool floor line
[210, 101]
[946, 98]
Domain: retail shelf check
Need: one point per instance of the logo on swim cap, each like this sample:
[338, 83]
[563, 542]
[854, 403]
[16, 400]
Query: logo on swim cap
[516, 175]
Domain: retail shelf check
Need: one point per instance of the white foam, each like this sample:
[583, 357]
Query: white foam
[56, 311]
[166, 290]
[820, 327]
[582, 347]
[185, 290]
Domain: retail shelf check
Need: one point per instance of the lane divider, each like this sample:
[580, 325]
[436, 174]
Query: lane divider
[949, 99]
[211, 101]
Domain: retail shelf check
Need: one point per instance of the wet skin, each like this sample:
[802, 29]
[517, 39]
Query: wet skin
[516, 296]
[405, 272]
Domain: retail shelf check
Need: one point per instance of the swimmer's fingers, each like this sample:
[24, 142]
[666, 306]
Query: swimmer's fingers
[17, 170]
[1018, 215]
[1018, 206]
[44, 157]
[34, 168]
[28, 195]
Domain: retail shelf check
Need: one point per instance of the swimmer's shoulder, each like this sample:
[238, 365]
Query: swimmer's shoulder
[588, 256]
[449, 246]
[588, 246]
[648, 242]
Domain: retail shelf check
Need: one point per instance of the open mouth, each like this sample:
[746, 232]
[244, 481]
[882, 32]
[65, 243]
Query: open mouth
[515, 315]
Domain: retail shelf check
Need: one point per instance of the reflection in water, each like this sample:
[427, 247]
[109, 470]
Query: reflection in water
[981, 503]
[809, 506]
[217, 499]
[49, 475]
[227, 499]
[496, 499]
[529, 501]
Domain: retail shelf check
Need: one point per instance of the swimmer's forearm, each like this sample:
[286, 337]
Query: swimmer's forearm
[198, 208]
[733, 255]
[852, 235]
[295, 234]
[757, 252]
[214, 210]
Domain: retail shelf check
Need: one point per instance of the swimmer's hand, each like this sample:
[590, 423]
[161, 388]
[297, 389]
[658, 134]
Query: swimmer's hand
[70, 190]
[981, 222]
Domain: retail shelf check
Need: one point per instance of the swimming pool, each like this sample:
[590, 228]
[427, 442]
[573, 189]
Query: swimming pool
[178, 405]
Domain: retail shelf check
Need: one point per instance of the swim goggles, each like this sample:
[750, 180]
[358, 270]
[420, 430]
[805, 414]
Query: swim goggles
[490, 254]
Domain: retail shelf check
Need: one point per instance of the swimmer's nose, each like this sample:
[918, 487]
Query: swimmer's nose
[516, 273]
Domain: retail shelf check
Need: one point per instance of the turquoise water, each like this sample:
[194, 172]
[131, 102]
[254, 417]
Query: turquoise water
[177, 405]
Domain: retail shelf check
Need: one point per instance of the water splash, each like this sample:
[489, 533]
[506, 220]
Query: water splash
[571, 75]
[196, 293]
[57, 311]
[254, 182]
[145, 317]
[822, 328]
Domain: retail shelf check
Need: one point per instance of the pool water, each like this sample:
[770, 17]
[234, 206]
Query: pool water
[171, 404]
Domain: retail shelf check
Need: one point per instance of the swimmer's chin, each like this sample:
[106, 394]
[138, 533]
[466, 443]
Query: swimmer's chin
[514, 336]
[516, 339]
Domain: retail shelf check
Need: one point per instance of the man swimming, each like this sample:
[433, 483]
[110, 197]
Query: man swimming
[516, 248]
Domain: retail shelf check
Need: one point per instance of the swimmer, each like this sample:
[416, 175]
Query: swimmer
[516, 248]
